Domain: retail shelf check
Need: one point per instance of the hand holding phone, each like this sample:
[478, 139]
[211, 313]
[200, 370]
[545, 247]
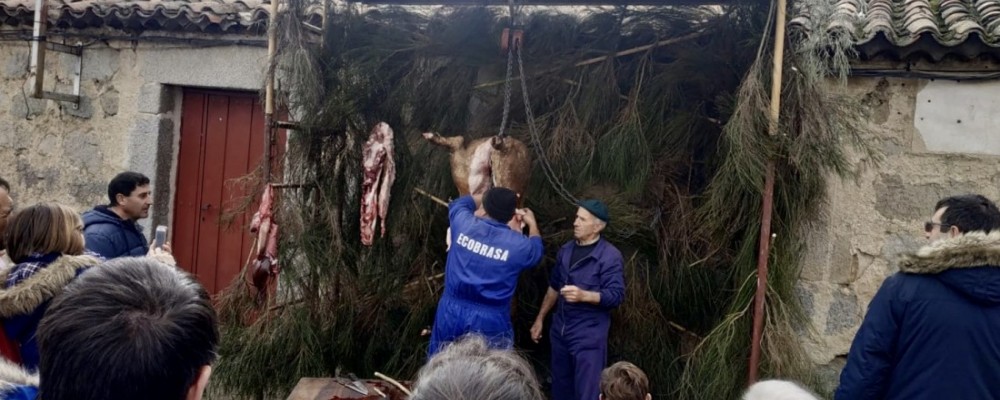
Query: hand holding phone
[161, 236]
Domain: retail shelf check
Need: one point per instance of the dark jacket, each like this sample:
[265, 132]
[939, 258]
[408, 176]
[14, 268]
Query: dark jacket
[933, 329]
[28, 288]
[17, 383]
[600, 271]
[110, 236]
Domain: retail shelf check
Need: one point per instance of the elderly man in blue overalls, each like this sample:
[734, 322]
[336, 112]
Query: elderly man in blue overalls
[587, 283]
[484, 261]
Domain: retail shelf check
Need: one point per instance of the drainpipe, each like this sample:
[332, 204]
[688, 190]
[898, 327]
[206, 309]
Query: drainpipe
[37, 65]
[765, 224]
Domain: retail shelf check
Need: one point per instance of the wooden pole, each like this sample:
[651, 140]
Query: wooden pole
[765, 224]
[432, 197]
[272, 39]
[596, 60]
[394, 383]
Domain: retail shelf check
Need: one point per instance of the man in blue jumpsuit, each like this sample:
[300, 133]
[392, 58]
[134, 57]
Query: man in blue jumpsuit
[587, 282]
[483, 265]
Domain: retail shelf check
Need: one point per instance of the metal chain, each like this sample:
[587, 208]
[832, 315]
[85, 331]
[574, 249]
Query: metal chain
[506, 90]
[550, 173]
[511, 45]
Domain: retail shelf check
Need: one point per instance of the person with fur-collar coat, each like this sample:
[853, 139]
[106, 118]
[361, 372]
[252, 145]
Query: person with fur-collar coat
[46, 243]
[932, 330]
[16, 383]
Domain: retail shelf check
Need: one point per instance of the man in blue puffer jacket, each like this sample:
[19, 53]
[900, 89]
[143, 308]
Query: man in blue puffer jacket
[933, 329]
[112, 230]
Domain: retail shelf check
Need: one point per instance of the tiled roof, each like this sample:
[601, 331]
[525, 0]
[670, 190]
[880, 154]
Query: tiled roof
[218, 16]
[904, 29]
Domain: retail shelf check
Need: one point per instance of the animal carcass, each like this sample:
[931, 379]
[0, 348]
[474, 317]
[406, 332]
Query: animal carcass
[480, 164]
[485, 163]
[265, 265]
[379, 169]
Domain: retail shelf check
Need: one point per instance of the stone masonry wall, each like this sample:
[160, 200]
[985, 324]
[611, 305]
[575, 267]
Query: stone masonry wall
[864, 225]
[128, 118]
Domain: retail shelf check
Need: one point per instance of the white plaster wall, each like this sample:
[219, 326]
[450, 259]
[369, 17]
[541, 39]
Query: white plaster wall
[959, 117]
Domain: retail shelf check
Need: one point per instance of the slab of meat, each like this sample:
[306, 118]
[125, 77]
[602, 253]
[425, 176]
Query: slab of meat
[379, 169]
[265, 265]
[480, 168]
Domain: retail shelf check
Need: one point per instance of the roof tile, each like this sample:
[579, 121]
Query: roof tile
[934, 28]
[216, 16]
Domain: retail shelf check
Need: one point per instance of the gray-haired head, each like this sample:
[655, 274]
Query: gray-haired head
[777, 390]
[469, 370]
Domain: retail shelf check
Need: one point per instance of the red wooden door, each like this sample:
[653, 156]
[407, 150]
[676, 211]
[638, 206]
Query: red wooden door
[222, 139]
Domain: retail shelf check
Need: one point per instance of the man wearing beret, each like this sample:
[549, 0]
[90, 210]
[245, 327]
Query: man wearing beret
[482, 268]
[587, 282]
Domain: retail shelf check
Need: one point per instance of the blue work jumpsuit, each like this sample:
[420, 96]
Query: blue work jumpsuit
[481, 274]
[579, 332]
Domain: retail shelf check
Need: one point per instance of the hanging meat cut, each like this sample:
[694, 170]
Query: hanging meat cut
[265, 265]
[379, 169]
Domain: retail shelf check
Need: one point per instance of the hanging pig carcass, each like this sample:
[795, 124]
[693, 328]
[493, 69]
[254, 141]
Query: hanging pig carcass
[484, 163]
[379, 169]
[479, 164]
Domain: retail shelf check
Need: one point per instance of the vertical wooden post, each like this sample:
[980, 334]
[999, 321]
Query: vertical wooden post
[768, 203]
[272, 38]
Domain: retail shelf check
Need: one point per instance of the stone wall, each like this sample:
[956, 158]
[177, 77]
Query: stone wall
[865, 224]
[128, 119]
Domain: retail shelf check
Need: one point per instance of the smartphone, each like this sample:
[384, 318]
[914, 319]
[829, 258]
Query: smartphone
[161, 236]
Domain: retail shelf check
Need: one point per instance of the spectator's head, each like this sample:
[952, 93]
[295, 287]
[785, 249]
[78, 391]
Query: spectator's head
[500, 203]
[624, 381]
[469, 370]
[128, 192]
[6, 207]
[958, 215]
[44, 228]
[131, 328]
[777, 390]
[591, 219]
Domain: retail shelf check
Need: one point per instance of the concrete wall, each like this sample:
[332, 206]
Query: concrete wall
[129, 117]
[865, 225]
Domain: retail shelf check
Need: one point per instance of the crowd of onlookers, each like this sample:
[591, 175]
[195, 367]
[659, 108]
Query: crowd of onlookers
[91, 311]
